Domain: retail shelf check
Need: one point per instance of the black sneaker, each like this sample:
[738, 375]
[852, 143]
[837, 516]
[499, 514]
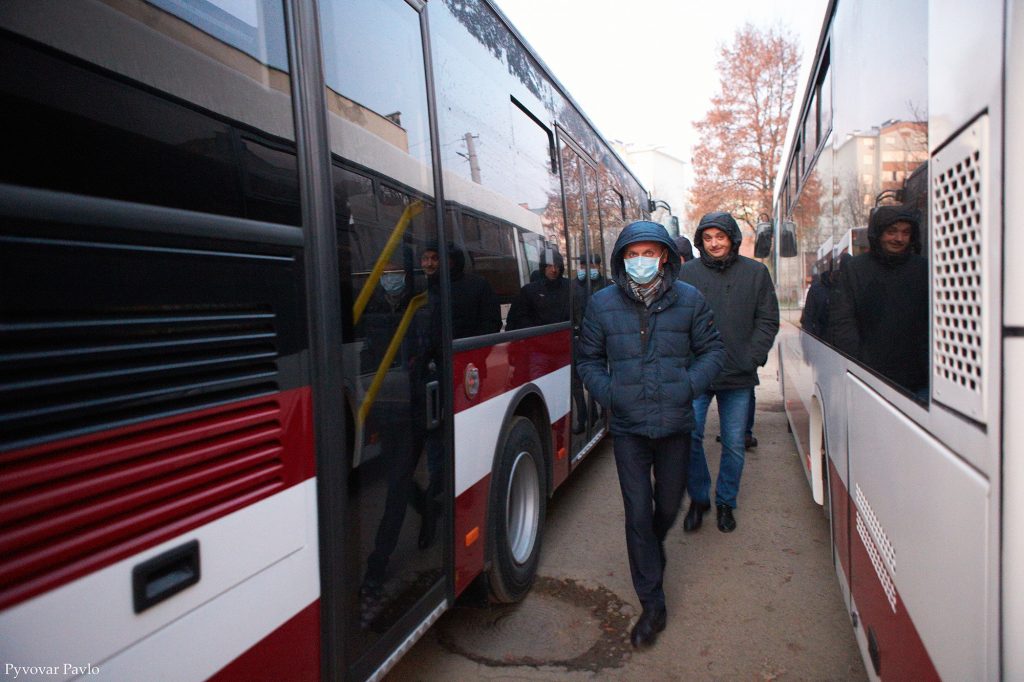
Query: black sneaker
[726, 522]
[749, 442]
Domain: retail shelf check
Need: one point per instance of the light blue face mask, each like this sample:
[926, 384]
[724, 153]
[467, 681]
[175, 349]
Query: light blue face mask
[642, 269]
[595, 273]
[581, 274]
[392, 282]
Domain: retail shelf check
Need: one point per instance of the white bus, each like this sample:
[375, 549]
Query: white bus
[903, 385]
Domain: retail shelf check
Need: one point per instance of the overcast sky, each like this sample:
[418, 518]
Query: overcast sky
[644, 70]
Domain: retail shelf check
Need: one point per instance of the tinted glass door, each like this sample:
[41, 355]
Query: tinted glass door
[579, 191]
[394, 573]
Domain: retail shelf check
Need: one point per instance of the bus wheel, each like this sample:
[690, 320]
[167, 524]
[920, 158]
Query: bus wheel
[516, 519]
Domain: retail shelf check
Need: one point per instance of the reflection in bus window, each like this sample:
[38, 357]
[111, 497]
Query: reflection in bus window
[546, 300]
[387, 256]
[490, 253]
[387, 101]
[212, 134]
[879, 309]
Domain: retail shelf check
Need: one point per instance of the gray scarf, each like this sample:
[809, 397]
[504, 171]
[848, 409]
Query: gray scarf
[649, 293]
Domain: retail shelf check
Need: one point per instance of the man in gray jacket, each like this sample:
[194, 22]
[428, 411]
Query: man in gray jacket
[742, 298]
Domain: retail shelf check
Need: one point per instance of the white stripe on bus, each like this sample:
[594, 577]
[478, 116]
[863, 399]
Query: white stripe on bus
[478, 428]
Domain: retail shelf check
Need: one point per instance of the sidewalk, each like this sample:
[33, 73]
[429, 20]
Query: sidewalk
[761, 603]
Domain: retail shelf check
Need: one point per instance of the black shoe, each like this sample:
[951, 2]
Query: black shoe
[749, 442]
[726, 522]
[646, 630]
[695, 516]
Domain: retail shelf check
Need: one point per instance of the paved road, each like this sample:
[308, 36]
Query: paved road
[761, 603]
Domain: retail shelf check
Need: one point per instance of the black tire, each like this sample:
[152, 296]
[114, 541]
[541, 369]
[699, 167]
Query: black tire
[515, 522]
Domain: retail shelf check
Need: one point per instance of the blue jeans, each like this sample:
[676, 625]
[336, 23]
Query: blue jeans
[750, 414]
[650, 509]
[733, 407]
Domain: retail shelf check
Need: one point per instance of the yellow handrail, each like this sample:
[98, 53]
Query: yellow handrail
[410, 212]
[415, 304]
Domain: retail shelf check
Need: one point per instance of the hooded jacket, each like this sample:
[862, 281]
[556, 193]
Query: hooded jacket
[646, 364]
[741, 295]
[544, 301]
[475, 307]
[878, 312]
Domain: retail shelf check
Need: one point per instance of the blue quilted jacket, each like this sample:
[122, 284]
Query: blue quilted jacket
[647, 364]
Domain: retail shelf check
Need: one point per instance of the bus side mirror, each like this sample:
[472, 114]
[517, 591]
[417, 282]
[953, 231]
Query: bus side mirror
[763, 240]
[787, 240]
[673, 226]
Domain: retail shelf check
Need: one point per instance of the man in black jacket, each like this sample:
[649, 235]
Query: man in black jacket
[647, 346]
[545, 301]
[878, 312]
[742, 298]
[475, 307]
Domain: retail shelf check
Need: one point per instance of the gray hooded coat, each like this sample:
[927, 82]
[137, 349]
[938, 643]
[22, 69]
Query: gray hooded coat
[646, 364]
[742, 297]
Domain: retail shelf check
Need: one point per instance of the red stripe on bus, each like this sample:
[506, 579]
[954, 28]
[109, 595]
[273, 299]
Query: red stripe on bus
[839, 498]
[506, 366]
[561, 458]
[72, 507]
[291, 652]
[902, 654]
[470, 522]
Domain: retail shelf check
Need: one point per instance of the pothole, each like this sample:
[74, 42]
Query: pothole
[559, 623]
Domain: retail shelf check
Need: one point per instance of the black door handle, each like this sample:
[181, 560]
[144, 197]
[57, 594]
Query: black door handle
[433, 404]
[163, 576]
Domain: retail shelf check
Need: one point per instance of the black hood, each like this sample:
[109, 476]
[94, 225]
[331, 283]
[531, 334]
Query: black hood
[685, 248]
[884, 216]
[556, 260]
[644, 231]
[727, 224]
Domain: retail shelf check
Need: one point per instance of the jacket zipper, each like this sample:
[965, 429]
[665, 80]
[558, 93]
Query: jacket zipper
[644, 313]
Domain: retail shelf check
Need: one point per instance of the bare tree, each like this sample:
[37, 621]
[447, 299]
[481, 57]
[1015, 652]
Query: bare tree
[742, 136]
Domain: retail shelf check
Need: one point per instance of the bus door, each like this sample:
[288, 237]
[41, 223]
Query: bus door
[579, 191]
[395, 570]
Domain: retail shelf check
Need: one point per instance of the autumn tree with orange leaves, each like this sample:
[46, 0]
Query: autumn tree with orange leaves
[742, 136]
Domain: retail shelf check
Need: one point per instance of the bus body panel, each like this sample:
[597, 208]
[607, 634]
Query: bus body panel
[911, 495]
[260, 569]
[479, 426]
[1013, 167]
[1012, 593]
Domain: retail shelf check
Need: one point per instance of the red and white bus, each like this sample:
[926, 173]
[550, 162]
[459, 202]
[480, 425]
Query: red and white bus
[259, 418]
[910, 434]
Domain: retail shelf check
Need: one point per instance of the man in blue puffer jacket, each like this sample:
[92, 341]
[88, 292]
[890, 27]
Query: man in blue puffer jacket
[648, 346]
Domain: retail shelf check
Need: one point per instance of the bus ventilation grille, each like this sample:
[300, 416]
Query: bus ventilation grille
[71, 507]
[959, 280]
[63, 376]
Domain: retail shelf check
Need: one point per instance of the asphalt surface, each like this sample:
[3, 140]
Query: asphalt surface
[761, 603]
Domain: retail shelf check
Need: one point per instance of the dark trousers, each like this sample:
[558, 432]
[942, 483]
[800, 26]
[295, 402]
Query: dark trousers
[651, 508]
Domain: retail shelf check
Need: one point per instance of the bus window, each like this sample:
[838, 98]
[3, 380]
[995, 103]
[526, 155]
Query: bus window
[879, 311]
[214, 134]
[490, 253]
